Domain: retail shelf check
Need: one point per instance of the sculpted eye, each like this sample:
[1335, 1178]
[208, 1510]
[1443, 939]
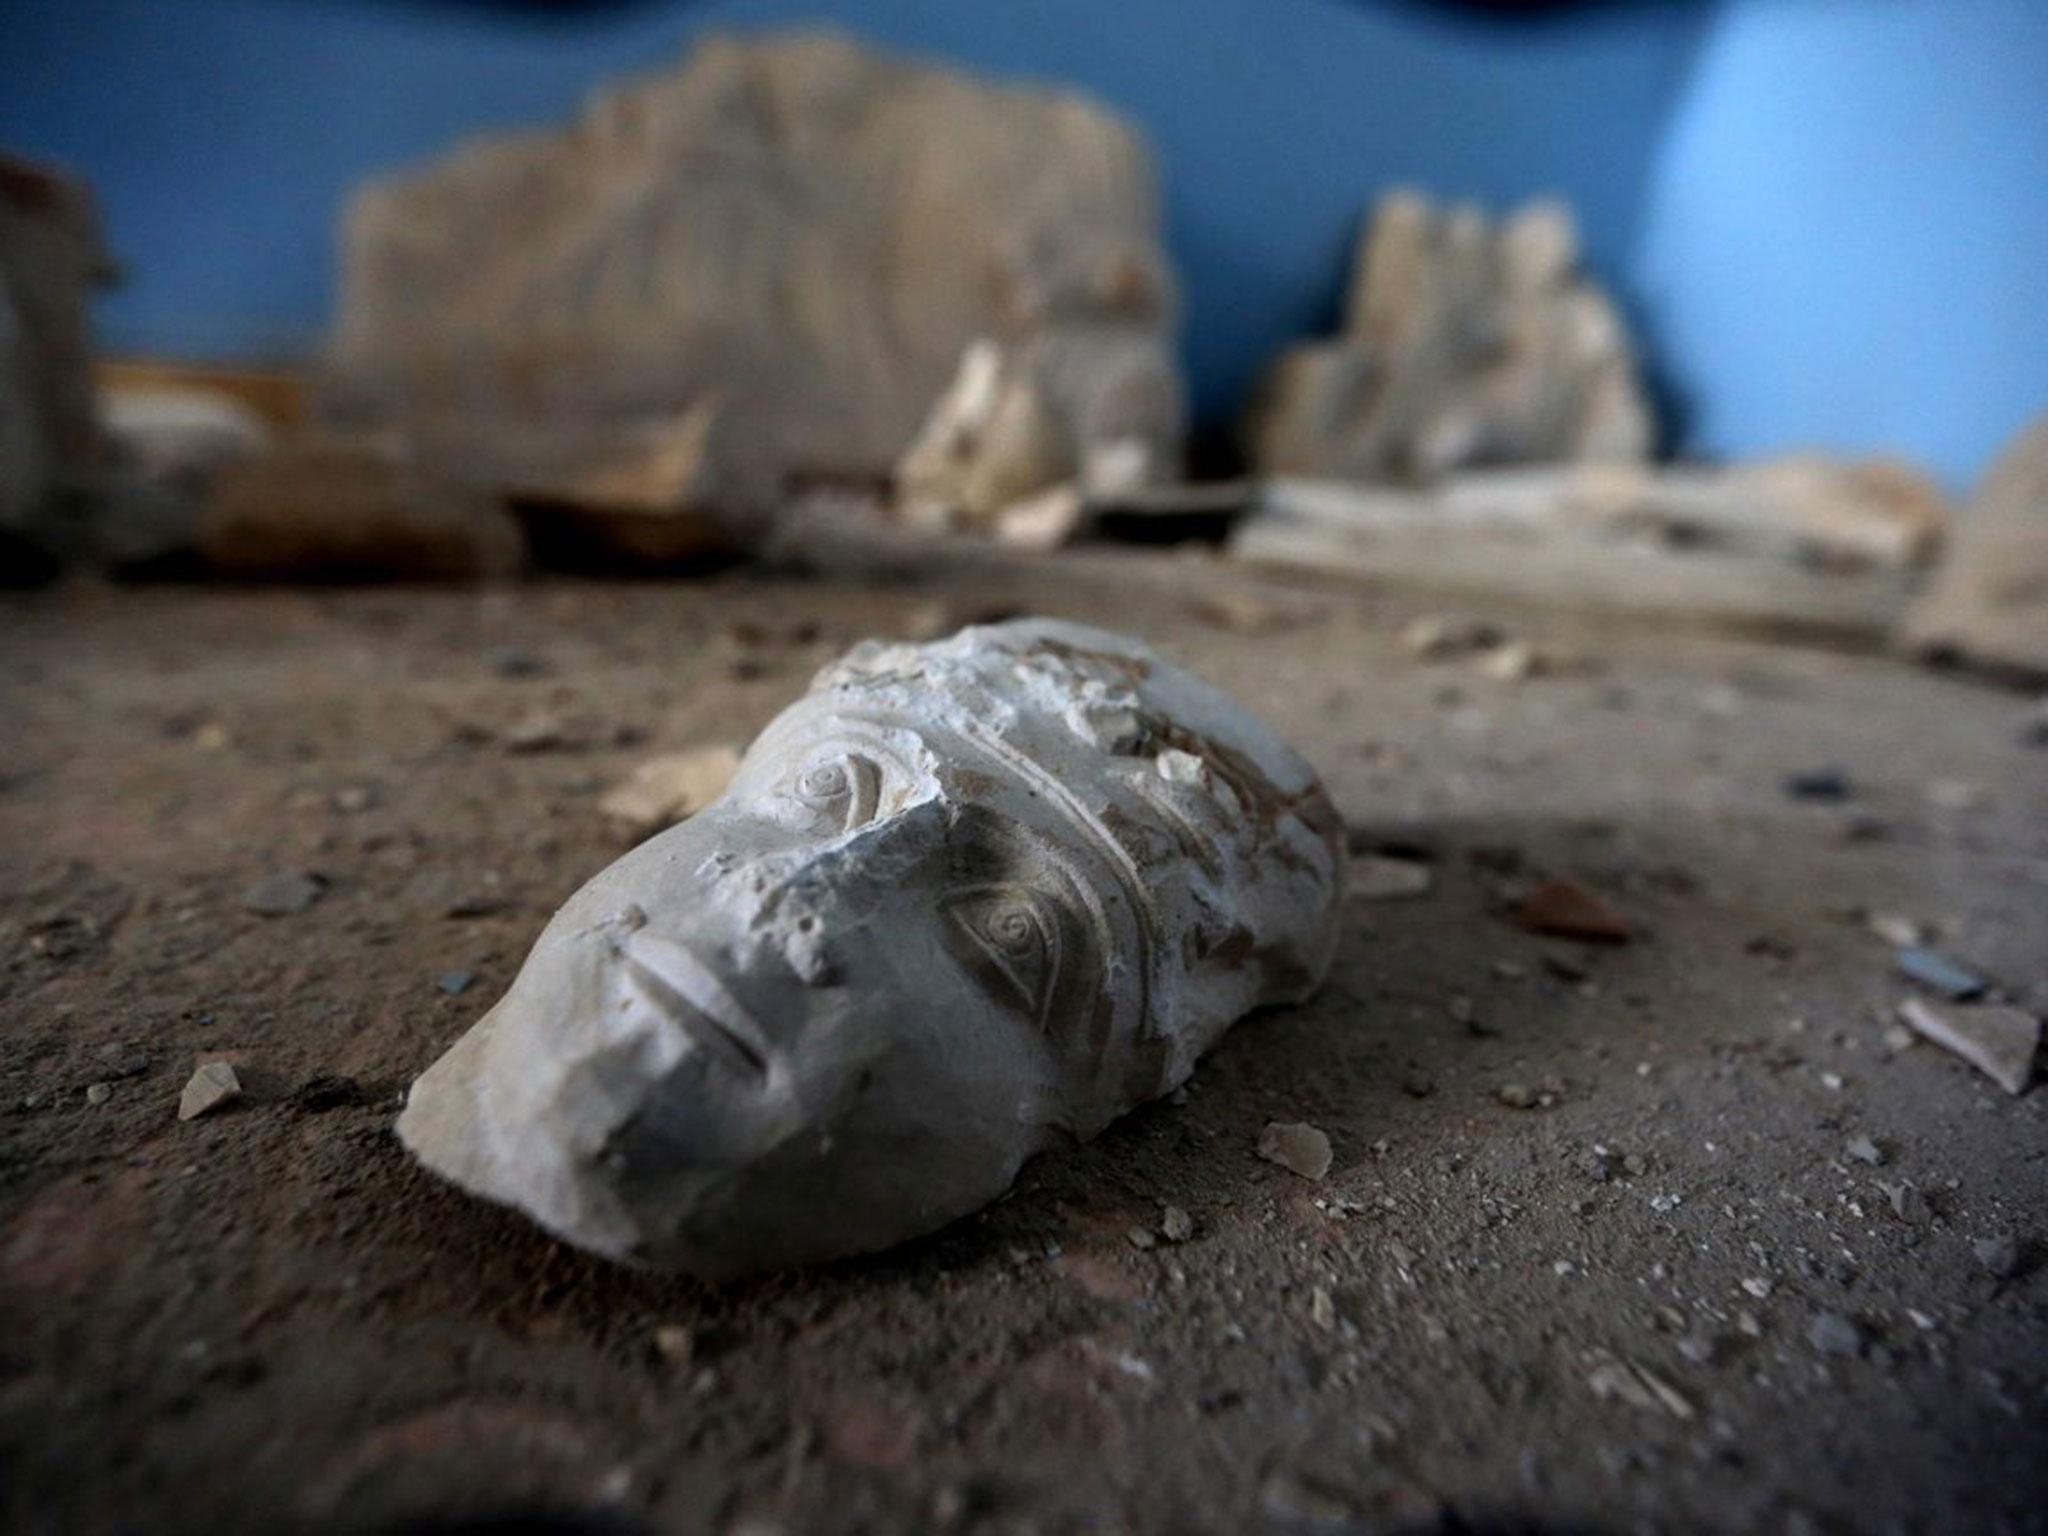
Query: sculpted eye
[1013, 938]
[840, 791]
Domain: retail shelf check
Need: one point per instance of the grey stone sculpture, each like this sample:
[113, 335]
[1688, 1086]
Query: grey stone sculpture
[963, 902]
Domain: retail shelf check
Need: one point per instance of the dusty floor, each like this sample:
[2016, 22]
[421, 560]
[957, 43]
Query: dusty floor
[267, 1320]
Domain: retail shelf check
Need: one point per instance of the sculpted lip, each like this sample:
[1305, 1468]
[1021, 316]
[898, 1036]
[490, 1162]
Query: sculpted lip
[688, 993]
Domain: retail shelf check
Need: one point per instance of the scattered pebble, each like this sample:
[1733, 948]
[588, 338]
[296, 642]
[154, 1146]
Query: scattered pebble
[1566, 909]
[1322, 1308]
[1757, 1286]
[99, 1093]
[213, 1086]
[1833, 1333]
[1638, 1386]
[1516, 1095]
[1175, 1224]
[455, 983]
[1998, 1256]
[1864, 1150]
[1818, 784]
[674, 1343]
[1999, 1042]
[511, 661]
[1435, 637]
[1143, 1237]
[1938, 973]
[1896, 929]
[666, 789]
[1296, 1146]
[285, 893]
[1380, 879]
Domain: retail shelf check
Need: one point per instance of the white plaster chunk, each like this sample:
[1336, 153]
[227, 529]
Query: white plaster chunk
[962, 902]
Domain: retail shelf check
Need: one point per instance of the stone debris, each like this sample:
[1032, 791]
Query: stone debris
[1565, 909]
[285, 893]
[1829, 784]
[1615, 1379]
[1863, 1150]
[801, 230]
[1590, 539]
[663, 493]
[1834, 1333]
[1142, 1238]
[1372, 878]
[98, 1093]
[1296, 1146]
[1938, 973]
[674, 1343]
[1897, 930]
[1437, 637]
[1998, 1256]
[1322, 1308]
[1026, 441]
[338, 507]
[664, 790]
[455, 983]
[1988, 602]
[51, 258]
[1463, 343]
[214, 1085]
[1175, 1224]
[1999, 1042]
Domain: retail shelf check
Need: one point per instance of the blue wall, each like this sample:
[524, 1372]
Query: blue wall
[1847, 239]
[1693, 138]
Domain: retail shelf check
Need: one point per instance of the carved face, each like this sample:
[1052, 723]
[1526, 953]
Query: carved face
[925, 932]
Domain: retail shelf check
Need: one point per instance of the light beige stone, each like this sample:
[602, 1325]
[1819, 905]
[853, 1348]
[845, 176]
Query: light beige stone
[1463, 344]
[1988, 602]
[809, 230]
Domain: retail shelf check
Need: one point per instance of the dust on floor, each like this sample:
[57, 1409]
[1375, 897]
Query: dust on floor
[1671, 1235]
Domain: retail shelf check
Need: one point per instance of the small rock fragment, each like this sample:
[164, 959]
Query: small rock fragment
[99, 1093]
[1832, 1333]
[1938, 973]
[1864, 1150]
[1143, 1238]
[1296, 1146]
[666, 789]
[1516, 660]
[511, 661]
[1999, 1256]
[674, 1343]
[212, 1087]
[1516, 1095]
[1379, 879]
[455, 983]
[1818, 784]
[1435, 637]
[1565, 909]
[1639, 1387]
[1896, 929]
[1999, 1042]
[1175, 1224]
[285, 893]
[1322, 1308]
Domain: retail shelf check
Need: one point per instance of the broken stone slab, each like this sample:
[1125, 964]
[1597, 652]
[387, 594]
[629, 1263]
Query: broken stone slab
[215, 1085]
[165, 443]
[1098, 410]
[1988, 603]
[963, 902]
[320, 507]
[1541, 537]
[808, 230]
[665, 493]
[1464, 342]
[51, 259]
[1999, 1042]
